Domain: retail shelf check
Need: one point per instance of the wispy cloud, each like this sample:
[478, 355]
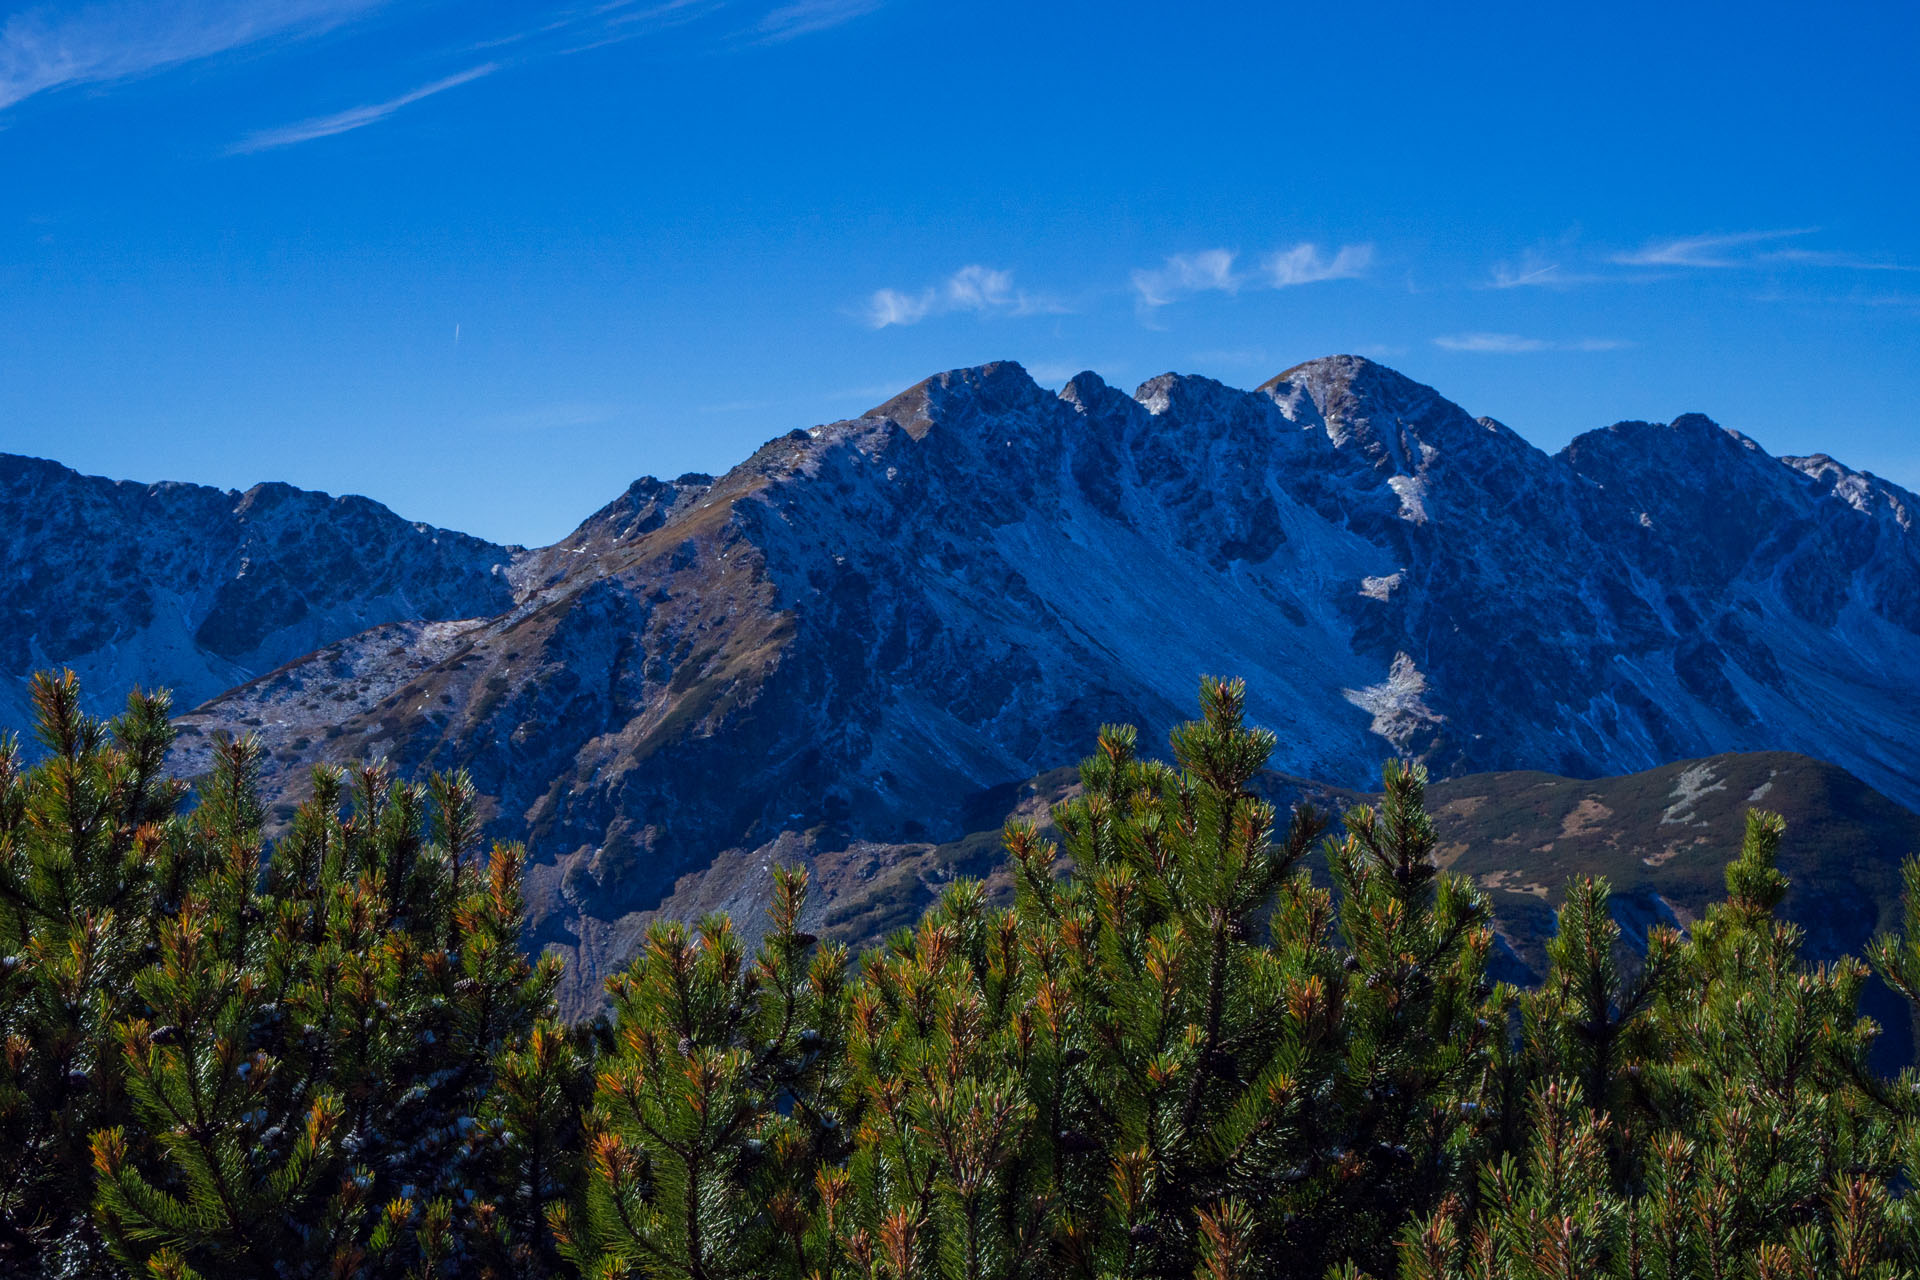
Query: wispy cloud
[1705, 251]
[1533, 272]
[1187, 273]
[354, 117]
[1305, 264]
[577, 29]
[54, 46]
[1512, 344]
[1831, 258]
[972, 288]
[1659, 260]
[1508, 277]
[804, 17]
[1213, 271]
[626, 13]
[619, 21]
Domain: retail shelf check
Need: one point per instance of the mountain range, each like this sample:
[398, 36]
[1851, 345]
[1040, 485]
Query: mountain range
[860, 645]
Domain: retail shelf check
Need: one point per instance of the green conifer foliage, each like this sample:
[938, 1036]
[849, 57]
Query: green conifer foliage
[88, 863]
[315, 1072]
[716, 1108]
[1592, 1023]
[1172, 1054]
[1416, 1103]
[1704, 1109]
[226, 1061]
[955, 1059]
[1197, 1054]
[1167, 1060]
[1767, 1048]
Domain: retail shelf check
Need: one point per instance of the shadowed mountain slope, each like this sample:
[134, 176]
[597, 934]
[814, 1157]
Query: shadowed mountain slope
[198, 589]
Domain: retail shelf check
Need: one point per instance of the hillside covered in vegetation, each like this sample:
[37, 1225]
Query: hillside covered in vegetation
[327, 1056]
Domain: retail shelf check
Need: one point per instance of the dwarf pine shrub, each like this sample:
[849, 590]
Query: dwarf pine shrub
[1198, 1037]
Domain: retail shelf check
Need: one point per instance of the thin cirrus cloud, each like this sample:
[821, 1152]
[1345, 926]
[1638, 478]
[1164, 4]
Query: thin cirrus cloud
[53, 47]
[354, 117]
[1303, 264]
[1706, 252]
[1513, 344]
[1213, 271]
[610, 22]
[1831, 258]
[607, 23]
[1524, 276]
[1532, 273]
[1658, 260]
[974, 288]
[803, 17]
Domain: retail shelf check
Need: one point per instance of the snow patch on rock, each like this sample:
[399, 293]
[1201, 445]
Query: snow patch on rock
[1688, 789]
[1412, 491]
[1381, 587]
[1397, 704]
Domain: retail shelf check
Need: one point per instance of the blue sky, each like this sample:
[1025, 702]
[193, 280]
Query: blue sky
[489, 262]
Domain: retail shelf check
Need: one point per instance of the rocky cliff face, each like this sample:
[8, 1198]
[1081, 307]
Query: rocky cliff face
[869, 626]
[200, 589]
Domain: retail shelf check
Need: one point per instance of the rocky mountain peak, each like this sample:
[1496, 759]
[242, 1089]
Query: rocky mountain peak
[1402, 427]
[1861, 490]
[999, 389]
[264, 497]
[1332, 378]
[1652, 463]
[1697, 424]
[1189, 397]
[1089, 392]
[647, 504]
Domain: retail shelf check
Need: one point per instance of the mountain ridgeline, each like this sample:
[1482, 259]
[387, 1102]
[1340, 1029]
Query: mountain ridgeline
[868, 631]
[200, 589]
